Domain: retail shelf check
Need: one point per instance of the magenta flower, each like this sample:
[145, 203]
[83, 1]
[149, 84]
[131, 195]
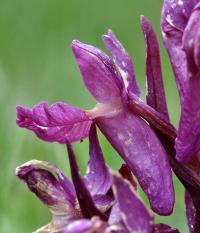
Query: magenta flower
[180, 25]
[113, 86]
[90, 206]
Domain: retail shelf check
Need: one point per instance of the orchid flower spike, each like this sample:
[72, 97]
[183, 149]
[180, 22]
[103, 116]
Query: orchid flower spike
[112, 84]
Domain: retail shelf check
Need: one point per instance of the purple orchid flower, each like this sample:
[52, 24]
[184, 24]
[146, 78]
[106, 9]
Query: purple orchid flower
[87, 207]
[67, 204]
[180, 26]
[114, 87]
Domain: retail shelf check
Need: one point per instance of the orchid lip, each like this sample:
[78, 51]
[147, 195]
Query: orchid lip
[107, 110]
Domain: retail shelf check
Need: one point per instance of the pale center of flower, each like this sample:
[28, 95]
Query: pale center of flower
[105, 110]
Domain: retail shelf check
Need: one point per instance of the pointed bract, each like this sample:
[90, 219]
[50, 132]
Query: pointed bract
[155, 88]
[59, 122]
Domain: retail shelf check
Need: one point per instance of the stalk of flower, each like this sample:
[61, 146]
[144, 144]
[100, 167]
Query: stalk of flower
[128, 213]
[111, 85]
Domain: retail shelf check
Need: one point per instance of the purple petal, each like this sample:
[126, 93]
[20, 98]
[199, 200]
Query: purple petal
[191, 40]
[59, 122]
[122, 61]
[188, 138]
[84, 197]
[138, 145]
[173, 22]
[133, 212]
[98, 178]
[98, 71]
[190, 212]
[56, 193]
[162, 228]
[155, 89]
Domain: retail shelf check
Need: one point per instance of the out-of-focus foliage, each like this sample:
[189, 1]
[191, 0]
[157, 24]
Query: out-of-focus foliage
[36, 64]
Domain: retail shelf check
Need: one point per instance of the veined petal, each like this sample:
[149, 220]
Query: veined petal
[122, 61]
[98, 178]
[155, 89]
[133, 212]
[99, 73]
[59, 122]
[50, 190]
[138, 145]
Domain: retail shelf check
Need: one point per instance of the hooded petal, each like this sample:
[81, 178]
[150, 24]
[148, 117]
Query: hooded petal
[52, 191]
[155, 89]
[98, 178]
[188, 138]
[138, 145]
[85, 200]
[99, 73]
[122, 61]
[59, 122]
[133, 212]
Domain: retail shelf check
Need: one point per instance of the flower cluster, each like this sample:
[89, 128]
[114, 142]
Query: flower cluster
[141, 133]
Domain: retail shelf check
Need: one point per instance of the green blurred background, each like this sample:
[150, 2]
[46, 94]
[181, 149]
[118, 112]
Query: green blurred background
[36, 64]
